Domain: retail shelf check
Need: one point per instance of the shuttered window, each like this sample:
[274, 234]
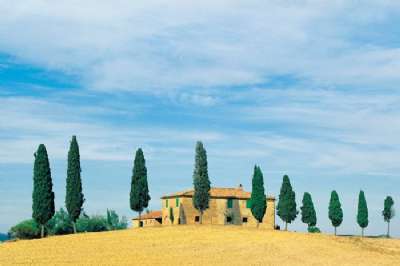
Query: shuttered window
[166, 203]
[248, 204]
[230, 203]
[177, 202]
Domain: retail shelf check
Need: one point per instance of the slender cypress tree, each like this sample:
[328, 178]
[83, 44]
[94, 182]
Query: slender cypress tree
[287, 202]
[42, 196]
[258, 198]
[388, 212]
[139, 195]
[335, 210]
[308, 215]
[201, 181]
[362, 213]
[74, 197]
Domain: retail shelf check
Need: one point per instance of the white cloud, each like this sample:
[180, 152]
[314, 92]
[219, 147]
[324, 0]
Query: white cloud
[163, 45]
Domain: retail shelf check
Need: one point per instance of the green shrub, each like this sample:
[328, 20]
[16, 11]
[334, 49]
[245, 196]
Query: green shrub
[27, 229]
[114, 222]
[3, 237]
[60, 224]
[96, 223]
[313, 229]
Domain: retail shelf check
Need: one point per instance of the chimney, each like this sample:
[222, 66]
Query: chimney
[240, 187]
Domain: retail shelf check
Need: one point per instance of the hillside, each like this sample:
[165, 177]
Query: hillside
[201, 245]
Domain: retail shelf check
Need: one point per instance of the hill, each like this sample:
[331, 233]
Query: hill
[202, 245]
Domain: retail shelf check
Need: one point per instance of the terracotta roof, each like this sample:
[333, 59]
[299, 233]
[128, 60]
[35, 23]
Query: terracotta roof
[217, 193]
[150, 215]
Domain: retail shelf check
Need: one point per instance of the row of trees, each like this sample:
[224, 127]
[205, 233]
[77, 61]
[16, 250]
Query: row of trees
[286, 207]
[43, 207]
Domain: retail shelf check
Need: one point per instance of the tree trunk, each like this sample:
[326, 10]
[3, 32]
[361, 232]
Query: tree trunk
[74, 226]
[258, 223]
[388, 229]
[362, 231]
[335, 230]
[285, 226]
[42, 231]
[140, 225]
[201, 217]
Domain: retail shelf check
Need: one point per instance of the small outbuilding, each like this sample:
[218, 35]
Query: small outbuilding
[153, 218]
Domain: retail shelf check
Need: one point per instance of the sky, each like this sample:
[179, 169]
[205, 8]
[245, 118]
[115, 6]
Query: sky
[303, 88]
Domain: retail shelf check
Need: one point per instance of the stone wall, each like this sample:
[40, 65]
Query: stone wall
[217, 212]
[145, 223]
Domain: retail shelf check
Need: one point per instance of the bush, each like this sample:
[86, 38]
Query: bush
[313, 229]
[96, 223]
[60, 224]
[27, 229]
[3, 237]
[113, 221]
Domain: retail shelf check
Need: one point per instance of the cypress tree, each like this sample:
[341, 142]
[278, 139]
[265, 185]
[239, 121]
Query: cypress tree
[335, 210]
[42, 196]
[388, 212]
[139, 195]
[258, 198]
[308, 215]
[74, 197]
[362, 213]
[201, 181]
[287, 202]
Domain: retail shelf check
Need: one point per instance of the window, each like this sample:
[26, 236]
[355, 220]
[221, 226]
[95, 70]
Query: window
[166, 203]
[177, 202]
[244, 219]
[229, 219]
[248, 204]
[197, 219]
[230, 203]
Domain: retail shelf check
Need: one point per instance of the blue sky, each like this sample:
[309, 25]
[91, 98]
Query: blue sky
[304, 88]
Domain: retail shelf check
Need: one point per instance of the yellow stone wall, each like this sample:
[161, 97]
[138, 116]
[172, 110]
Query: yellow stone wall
[185, 213]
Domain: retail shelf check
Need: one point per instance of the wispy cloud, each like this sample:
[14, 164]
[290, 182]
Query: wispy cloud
[165, 45]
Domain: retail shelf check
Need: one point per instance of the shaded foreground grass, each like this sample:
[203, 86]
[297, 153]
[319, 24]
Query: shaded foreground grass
[201, 245]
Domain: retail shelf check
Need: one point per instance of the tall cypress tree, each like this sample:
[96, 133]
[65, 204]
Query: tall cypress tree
[335, 210]
[74, 197]
[388, 212]
[308, 215]
[362, 213]
[258, 198]
[201, 181]
[139, 195]
[287, 202]
[42, 196]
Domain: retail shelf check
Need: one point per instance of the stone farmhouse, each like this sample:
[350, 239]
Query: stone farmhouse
[226, 206]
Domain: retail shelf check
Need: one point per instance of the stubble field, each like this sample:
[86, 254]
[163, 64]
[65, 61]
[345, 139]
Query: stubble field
[201, 245]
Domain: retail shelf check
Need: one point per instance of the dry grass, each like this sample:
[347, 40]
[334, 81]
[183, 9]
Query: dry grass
[201, 245]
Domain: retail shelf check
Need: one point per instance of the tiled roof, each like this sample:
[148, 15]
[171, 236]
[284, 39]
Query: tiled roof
[217, 193]
[150, 215]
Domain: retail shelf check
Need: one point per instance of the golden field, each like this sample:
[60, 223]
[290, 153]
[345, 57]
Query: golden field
[201, 245]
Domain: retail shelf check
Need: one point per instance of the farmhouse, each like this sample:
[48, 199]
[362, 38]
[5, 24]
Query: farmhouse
[226, 206]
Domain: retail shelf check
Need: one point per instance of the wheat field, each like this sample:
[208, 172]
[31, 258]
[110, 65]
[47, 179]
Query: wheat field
[201, 245]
